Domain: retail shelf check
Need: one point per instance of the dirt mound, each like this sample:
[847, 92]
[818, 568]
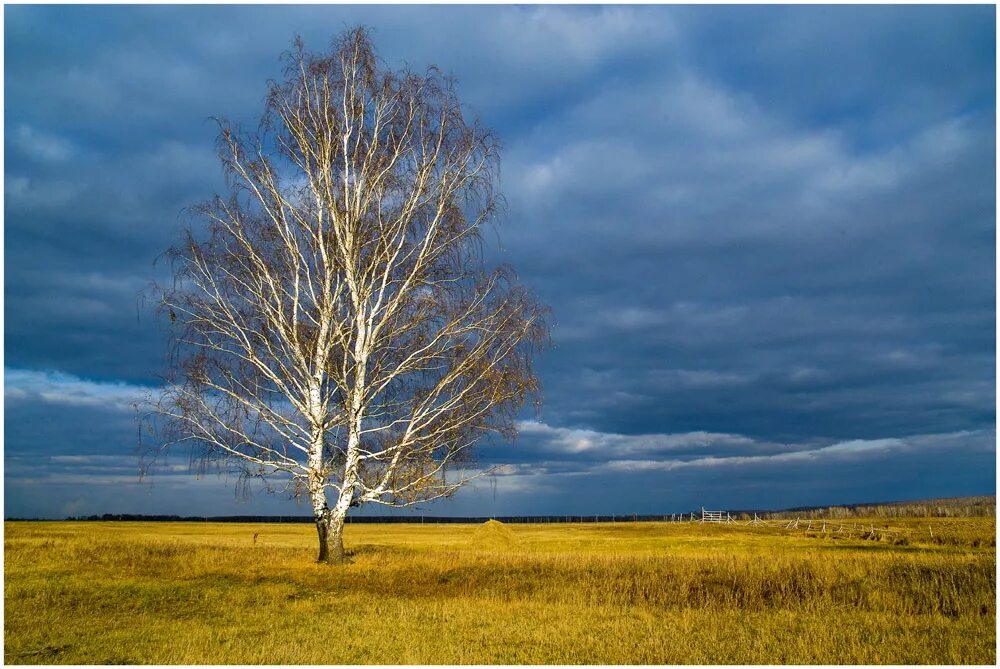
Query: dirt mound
[493, 535]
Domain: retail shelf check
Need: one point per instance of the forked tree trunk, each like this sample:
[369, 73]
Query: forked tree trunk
[330, 531]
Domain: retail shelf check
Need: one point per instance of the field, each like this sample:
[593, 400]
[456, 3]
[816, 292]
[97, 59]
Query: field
[623, 593]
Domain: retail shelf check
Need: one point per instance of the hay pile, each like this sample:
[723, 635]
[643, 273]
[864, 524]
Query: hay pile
[493, 535]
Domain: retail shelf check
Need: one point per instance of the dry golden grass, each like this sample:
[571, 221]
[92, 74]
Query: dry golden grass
[654, 593]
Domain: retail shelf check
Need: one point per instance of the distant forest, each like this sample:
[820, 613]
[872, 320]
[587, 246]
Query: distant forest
[948, 507]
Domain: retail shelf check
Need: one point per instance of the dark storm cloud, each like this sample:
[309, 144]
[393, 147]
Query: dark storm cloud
[767, 235]
[736, 268]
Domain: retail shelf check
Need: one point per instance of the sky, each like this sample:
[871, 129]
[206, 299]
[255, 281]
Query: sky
[767, 236]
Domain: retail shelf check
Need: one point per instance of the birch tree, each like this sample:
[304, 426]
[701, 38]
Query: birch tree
[336, 330]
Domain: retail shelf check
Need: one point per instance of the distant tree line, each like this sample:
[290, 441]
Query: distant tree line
[957, 507]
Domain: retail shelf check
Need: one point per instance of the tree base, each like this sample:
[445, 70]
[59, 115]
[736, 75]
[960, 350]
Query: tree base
[330, 555]
[331, 542]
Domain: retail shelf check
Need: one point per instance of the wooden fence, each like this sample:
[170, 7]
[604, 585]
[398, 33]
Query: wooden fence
[819, 526]
[715, 516]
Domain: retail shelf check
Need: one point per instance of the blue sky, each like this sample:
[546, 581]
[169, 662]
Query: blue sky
[767, 236]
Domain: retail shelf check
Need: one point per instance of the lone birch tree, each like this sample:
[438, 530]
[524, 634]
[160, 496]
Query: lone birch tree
[336, 331]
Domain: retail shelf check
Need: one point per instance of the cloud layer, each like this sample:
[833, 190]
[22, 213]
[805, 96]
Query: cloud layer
[767, 235]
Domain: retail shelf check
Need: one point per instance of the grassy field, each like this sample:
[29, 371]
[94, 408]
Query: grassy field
[652, 593]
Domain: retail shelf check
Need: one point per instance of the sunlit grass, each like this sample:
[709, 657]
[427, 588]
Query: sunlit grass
[657, 593]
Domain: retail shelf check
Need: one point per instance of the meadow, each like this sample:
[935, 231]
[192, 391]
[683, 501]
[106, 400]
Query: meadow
[604, 593]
